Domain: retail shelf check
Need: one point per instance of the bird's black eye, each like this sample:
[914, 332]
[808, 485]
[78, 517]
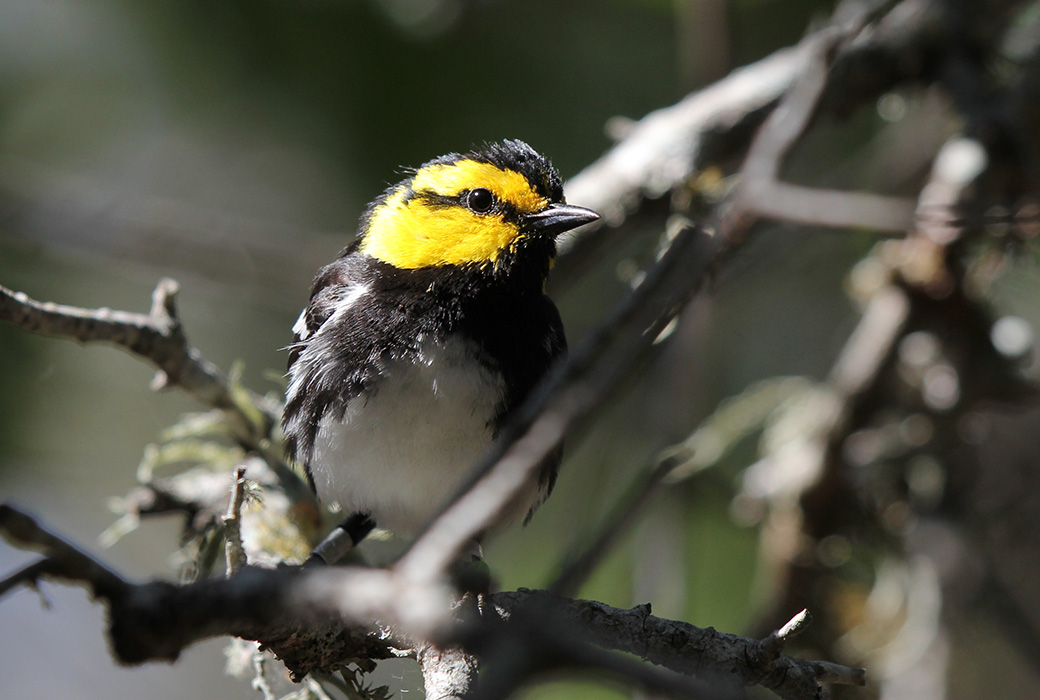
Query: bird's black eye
[480, 200]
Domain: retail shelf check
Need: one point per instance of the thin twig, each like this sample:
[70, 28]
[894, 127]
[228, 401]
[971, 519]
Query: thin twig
[234, 552]
[775, 642]
[260, 676]
[828, 672]
[662, 150]
[829, 208]
[64, 559]
[28, 575]
[576, 566]
[761, 192]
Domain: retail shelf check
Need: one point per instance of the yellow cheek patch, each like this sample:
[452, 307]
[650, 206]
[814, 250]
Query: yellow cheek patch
[415, 234]
[452, 179]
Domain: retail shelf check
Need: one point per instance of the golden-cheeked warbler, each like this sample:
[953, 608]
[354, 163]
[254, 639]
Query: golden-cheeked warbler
[425, 334]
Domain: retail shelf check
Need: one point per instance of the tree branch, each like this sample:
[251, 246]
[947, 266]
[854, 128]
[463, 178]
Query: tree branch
[156, 337]
[761, 192]
[63, 560]
[289, 609]
[663, 149]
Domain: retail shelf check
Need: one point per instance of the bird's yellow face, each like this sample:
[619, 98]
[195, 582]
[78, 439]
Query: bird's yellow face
[472, 210]
[451, 214]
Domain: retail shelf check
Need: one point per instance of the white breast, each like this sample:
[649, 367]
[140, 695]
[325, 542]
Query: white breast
[401, 451]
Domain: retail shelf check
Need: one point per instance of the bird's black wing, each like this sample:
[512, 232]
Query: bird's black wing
[341, 342]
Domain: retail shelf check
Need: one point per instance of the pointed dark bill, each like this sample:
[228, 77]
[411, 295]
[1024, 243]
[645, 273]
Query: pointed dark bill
[557, 218]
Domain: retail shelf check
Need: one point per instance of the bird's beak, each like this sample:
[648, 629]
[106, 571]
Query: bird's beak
[557, 218]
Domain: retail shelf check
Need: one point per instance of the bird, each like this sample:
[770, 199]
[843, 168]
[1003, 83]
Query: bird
[425, 334]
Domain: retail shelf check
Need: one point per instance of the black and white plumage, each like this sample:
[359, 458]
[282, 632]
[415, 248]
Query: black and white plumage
[400, 377]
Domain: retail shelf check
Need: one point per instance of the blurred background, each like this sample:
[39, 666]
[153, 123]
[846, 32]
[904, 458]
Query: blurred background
[232, 145]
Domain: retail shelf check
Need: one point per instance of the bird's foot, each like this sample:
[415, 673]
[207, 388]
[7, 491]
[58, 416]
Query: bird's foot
[472, 575]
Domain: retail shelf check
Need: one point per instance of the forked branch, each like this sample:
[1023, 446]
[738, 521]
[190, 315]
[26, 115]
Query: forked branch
[157, 338]
[156, 621]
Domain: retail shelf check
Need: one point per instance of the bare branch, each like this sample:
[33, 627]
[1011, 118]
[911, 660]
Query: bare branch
[234, 551]
[305, 615]
[260, 677]
[577, 566]
[662, 149]
[28, 575]
[680, 646]
[64, 560]
[156, 337]
[828, 208]
[827, 672]
[762, 193]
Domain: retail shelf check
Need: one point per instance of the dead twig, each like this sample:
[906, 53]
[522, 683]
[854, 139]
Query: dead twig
[156, 337]
[235, 553]
[763, 194]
